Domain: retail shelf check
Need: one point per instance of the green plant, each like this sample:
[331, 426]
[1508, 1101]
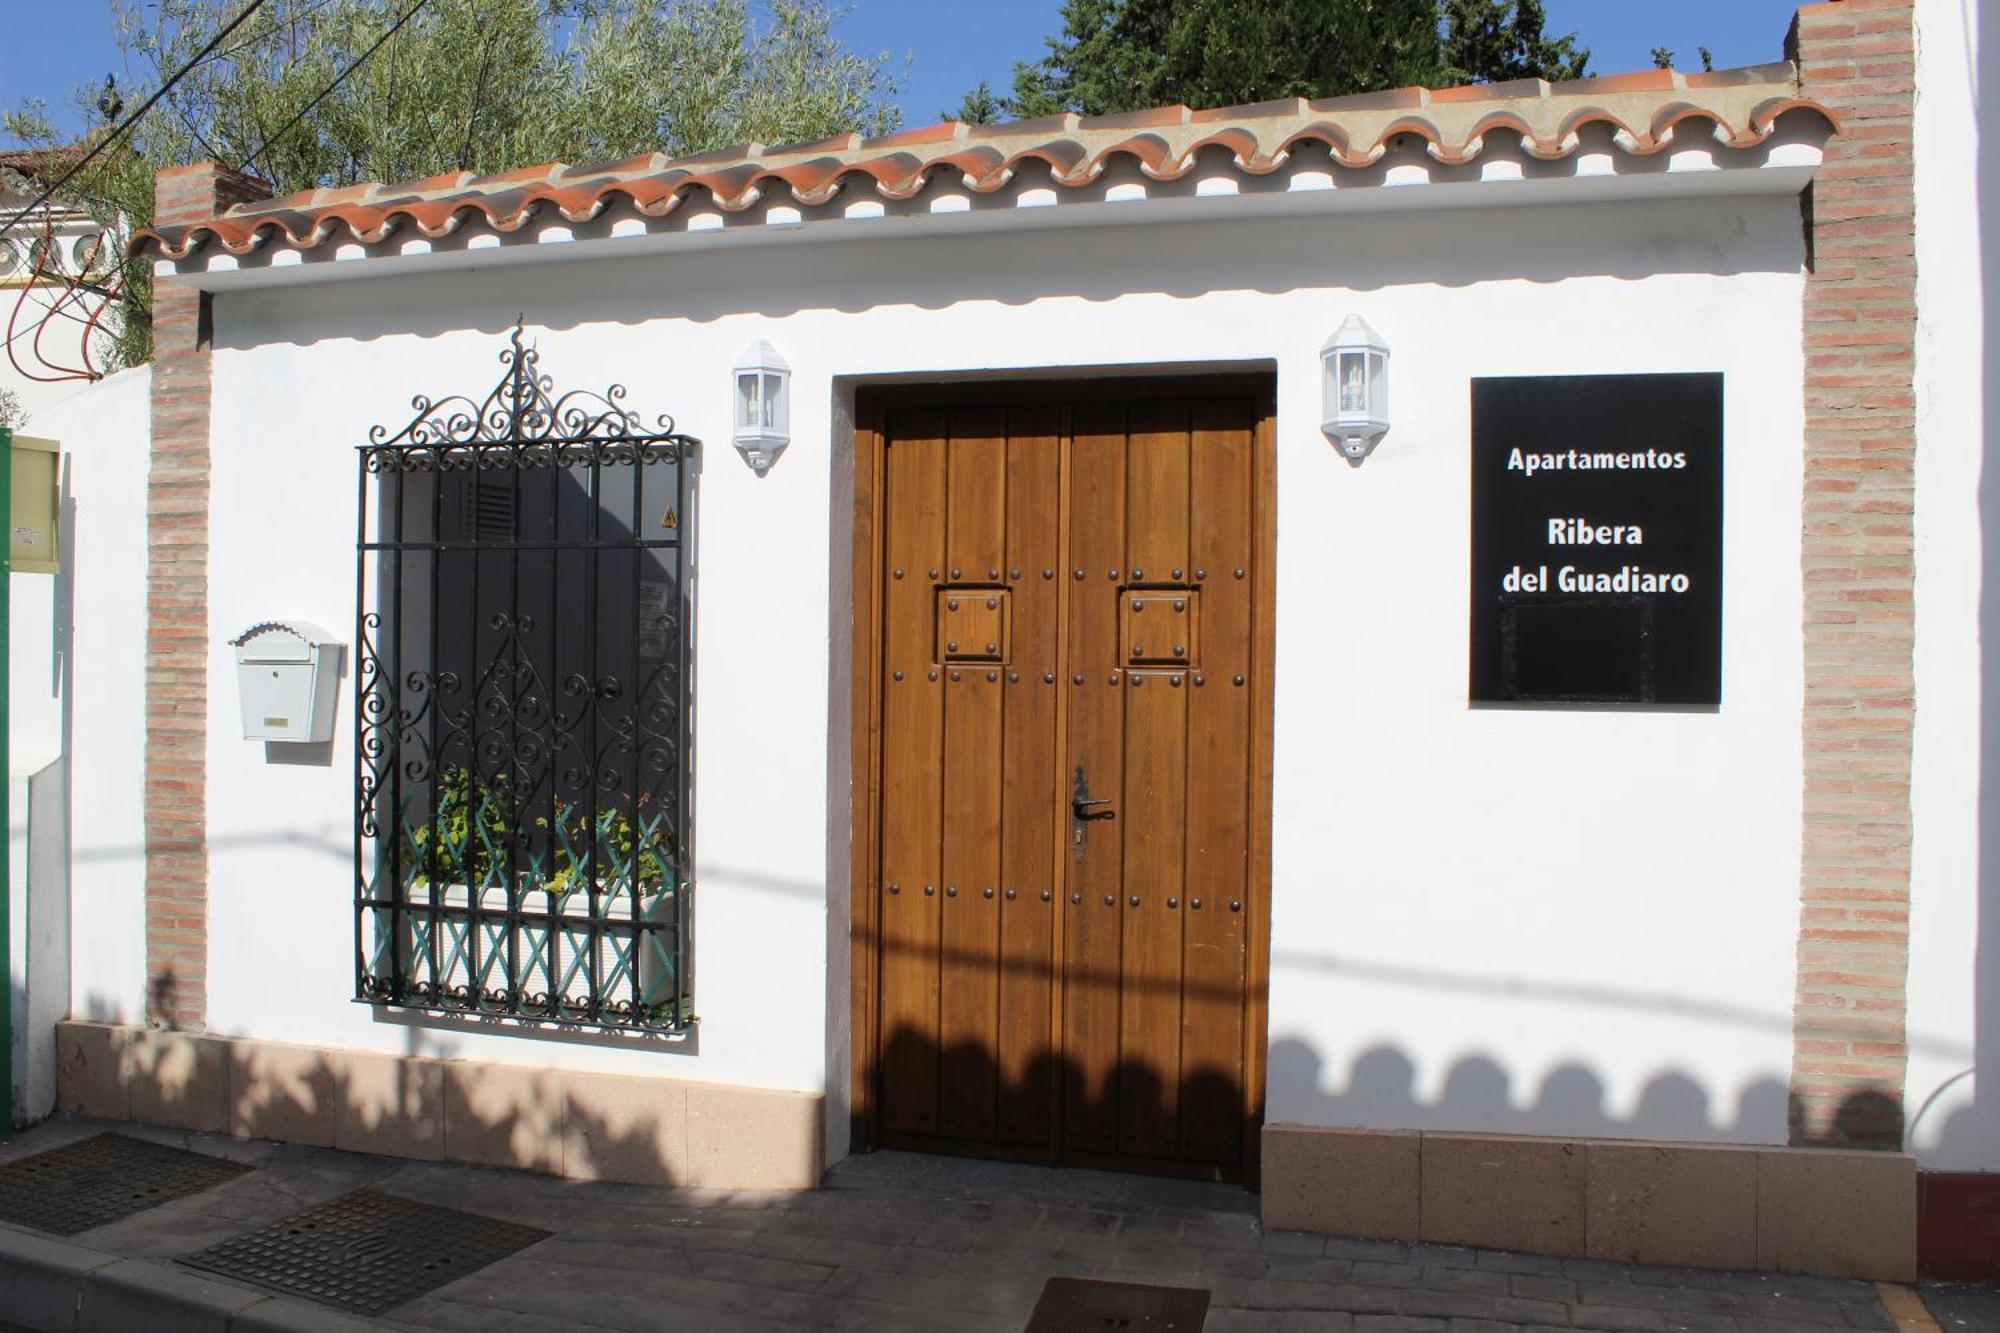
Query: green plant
[620, 847]
[469, 828]
[466, 840]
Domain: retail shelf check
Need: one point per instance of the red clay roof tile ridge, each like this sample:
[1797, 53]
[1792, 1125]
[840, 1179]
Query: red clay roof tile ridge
[1644, 112]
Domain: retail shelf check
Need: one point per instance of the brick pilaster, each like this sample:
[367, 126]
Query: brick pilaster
[177, 616]
[1857, 57]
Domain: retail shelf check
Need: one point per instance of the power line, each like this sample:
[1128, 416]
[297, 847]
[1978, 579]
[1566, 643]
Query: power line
[119, 130]
[338, 79]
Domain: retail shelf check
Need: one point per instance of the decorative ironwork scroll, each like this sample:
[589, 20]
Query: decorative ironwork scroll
[522, 795]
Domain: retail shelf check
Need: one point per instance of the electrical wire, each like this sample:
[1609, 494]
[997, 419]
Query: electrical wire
[119, 130]
[338, 79]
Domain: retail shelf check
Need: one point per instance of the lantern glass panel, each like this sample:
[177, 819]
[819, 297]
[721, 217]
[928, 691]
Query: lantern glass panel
[1353, 383]
[1378, 386]
[774, 404]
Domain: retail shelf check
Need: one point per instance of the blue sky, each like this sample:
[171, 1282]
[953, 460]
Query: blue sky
[54, 45]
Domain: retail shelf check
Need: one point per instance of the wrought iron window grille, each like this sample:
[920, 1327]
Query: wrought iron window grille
[523, 795]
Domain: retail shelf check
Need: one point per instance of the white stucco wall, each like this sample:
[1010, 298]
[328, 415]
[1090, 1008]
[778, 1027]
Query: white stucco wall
[1953, 876]
[78, 687]
[1526, 920]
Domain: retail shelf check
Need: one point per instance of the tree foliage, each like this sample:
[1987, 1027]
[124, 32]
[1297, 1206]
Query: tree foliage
[463, 85]
[1123, 55]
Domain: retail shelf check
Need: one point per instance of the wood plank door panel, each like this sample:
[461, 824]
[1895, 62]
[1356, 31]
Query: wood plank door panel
[912, 775]
[1031, 793]
[1153, 810]
[969, 956]
[1219, 787]
[1092, 961]
[1067, 600]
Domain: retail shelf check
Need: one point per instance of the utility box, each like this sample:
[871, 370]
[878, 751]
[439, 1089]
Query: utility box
[36, 507]
[286, 672]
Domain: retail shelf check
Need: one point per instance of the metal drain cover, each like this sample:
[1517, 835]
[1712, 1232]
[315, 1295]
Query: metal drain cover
[102, 1179]
[1078, 1305]
[366, 1252]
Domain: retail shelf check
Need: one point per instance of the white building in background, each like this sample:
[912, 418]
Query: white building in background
[1560, 829]
[54, 263]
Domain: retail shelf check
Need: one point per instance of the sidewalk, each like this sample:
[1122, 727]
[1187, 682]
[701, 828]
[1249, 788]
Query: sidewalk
[895, 1242]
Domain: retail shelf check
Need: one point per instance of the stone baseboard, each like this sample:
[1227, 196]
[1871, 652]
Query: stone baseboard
[651, 1131]
[1833, 1212]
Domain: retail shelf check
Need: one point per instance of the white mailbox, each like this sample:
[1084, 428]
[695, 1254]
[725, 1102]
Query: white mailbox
[287, 673]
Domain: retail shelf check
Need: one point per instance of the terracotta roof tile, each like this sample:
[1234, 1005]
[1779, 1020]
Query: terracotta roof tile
[942, 132]
[1513, 90]
[1283, 106]
[1144, 120]
[1644, 112]
[1389, 99]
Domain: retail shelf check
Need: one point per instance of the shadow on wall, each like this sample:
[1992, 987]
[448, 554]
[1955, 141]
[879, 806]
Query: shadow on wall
[422, 1105]
[959, 1092]
[1477, 1096]
[1971, 1136]
[1046, 1106]
[1094, 264]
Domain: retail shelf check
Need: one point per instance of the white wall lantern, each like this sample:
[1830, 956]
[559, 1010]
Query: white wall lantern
[761, 422]
[1354, 389]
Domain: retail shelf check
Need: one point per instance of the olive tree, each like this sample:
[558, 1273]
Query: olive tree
[333, 92]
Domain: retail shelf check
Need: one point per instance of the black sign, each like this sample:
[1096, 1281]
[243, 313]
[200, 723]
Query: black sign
[1597, 539]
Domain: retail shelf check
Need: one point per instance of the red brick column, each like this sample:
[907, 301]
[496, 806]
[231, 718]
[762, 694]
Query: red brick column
[177, 616]
[1858, 57]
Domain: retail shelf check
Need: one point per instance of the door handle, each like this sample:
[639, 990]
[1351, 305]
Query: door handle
[1082, 804]
[1083, 810]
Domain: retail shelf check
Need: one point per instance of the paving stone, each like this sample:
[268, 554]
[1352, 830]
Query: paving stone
[141, 1294]
[1446, 1304]
[1232, 1263]
[1522, 1310]
[1872, 1315]
[899, 1242]
[1465, 1279]
[1444, 1256]
[1243, 1321]
[1786, 1309]
[1624, 1294]
[1269, 1294]
[1624, 1318]
[1542, 1288]
[1292, 1242]
[1534, 1265]
[1695, 1322]
[1302, 1268]
[41, 1277]
[1379, 1251]
[1357, 1299]
[1959, 1308]
[1596, 1270]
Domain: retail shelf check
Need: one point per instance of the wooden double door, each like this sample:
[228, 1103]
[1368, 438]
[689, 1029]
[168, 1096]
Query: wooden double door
[1061, 929]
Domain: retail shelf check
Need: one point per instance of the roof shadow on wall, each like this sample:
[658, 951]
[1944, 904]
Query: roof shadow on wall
[1360, 252]
[1477, 1096]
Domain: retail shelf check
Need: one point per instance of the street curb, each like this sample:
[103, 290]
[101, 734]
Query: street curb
[53, 1286]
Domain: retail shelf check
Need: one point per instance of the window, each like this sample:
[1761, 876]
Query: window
[522, 673]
